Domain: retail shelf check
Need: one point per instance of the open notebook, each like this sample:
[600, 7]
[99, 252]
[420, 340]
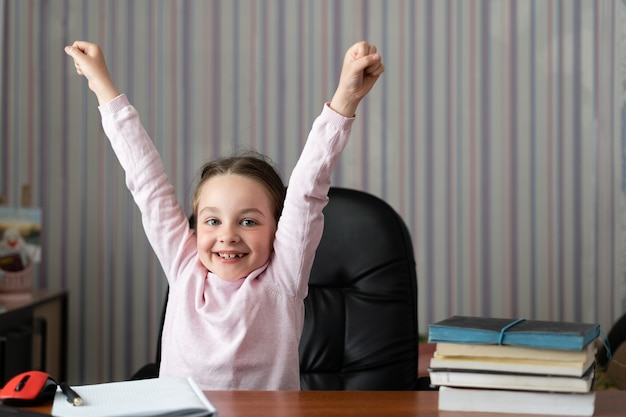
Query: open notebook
[148, 397]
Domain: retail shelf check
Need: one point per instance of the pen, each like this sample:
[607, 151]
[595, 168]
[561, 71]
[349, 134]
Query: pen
[72, 397]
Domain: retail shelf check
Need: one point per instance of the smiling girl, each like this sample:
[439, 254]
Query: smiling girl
[237, 284]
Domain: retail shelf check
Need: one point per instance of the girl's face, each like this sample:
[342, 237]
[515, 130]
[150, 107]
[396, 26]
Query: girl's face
[235, 226]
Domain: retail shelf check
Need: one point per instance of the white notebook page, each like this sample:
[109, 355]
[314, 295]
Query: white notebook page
[133, 398]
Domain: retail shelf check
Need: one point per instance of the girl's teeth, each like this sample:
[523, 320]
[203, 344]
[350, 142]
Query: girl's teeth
[229, 255]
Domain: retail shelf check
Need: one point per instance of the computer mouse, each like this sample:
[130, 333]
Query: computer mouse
[28, 389]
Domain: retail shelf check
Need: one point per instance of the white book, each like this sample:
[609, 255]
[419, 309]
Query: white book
[529, 366]
[517, 402]
[146, 397]
[510, 381]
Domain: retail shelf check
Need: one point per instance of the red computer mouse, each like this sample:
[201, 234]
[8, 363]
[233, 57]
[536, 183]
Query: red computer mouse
[28, 388]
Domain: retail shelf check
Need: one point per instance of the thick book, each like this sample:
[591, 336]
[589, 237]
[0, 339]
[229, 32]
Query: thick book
[511, 381]
[515, 352]
[512, 365]
[514, 332]
[513, 359]
[517, 402]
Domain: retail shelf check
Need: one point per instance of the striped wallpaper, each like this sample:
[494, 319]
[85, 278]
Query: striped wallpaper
[496, 132]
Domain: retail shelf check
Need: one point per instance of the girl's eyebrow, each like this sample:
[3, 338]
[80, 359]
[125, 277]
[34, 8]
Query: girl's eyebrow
[251, 211]
[206, 209]
[245, 211]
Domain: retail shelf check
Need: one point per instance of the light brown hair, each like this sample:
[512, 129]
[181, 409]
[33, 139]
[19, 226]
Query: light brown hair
[251, 165]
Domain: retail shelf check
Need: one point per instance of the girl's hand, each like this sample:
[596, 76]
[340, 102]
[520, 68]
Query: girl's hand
[362, 66]
[89, 62]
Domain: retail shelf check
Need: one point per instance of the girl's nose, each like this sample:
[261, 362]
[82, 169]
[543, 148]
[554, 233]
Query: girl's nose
[229, 235]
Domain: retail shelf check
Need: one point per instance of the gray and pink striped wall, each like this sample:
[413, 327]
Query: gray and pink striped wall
[496, 131]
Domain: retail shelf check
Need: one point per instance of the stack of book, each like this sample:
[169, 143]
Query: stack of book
[517, 366]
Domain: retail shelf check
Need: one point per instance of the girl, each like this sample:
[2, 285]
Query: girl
[237, 286]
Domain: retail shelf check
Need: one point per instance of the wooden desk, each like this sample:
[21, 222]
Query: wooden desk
[359, 404]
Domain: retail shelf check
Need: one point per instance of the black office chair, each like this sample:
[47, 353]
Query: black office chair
[360, 328]
[151, 369]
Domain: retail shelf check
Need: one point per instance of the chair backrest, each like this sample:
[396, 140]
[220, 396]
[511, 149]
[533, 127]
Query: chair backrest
[361, 328]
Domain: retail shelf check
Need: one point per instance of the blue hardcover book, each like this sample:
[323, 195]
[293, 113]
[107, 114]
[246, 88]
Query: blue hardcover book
[515, 332]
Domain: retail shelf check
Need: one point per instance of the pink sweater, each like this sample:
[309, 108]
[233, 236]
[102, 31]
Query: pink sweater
[241, 335]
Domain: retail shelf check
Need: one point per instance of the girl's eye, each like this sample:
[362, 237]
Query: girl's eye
[248, 222]
[212, 222]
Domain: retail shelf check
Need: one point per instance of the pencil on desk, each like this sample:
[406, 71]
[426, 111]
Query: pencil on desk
[72, 396]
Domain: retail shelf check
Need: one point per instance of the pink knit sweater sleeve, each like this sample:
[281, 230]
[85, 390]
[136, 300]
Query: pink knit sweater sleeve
[165, 223]
[301, 224]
